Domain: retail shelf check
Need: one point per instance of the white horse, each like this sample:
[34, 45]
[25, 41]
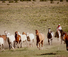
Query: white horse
[23, 38]
[2, 43]
[10, 39]
[30, 37]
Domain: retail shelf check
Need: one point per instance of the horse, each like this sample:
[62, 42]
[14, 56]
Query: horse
[10, 39]
[4, 37]
[2, 43]
[23, 38]
[30, 38]
[66, 40]
[59, 34]
[39, 39]
[3, 40]
[49, 36]
[17, 39]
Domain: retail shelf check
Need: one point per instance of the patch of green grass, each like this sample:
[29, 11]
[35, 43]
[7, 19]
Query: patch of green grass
[52, 51]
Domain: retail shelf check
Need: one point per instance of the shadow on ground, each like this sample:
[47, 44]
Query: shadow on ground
[46, 54]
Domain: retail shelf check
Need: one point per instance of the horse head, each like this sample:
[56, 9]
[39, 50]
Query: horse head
[37, 32]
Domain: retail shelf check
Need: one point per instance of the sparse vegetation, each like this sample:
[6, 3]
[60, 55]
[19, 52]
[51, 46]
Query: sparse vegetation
[34, 17]
[61, 0]
[51, 1]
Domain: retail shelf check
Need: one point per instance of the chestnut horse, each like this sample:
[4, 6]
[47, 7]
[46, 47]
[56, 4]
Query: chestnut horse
[17, 38]
[39, 39]
[66, 40]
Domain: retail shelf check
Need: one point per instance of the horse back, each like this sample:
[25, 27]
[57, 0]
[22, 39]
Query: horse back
[56, 34]
[17, 38]
[49, 35]
[3, 36]
[41, 36]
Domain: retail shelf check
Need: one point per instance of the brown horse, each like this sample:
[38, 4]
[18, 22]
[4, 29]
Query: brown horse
[17, 38]
[39, 39]
[66, 40]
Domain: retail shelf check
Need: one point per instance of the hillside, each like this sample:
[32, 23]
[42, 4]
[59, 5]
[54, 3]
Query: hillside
[29, 16]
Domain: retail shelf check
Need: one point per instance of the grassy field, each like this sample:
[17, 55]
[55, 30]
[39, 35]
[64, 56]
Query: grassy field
[29, 16]
[48, 51]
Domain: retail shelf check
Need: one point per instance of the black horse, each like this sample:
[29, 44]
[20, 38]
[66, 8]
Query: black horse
[49, 36]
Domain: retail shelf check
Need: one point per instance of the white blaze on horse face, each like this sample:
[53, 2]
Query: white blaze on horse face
[5, 32]
[49, 30]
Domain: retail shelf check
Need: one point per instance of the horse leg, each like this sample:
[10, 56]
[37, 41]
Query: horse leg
[12, 45]
[51, 41]
[61, 41]
[16, 44]
[48, 42]
[1, 46]
[19, 44]
[42, 43]
[9, 45]
[8, 42]
[39, 44]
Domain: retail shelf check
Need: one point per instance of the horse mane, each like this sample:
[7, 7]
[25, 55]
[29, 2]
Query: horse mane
[24, 33]
[16, 33]
[36, 32]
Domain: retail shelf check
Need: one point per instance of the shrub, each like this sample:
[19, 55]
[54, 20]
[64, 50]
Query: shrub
[51, 1]
[57, 2]
[61, 0]
[21, 0]
[16, 1]
[66, 0]
[3, 1]
[11, 1]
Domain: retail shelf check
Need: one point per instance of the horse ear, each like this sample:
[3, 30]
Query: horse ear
[36, 31]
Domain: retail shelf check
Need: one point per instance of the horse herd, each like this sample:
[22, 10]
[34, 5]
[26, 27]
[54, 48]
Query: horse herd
[17, 40]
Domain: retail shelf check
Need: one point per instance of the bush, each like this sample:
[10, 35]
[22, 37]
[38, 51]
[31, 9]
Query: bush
[66, 0]
[3, 1]
[51, 1]
[43, 0]
[11, 1]
[61, 0]
[21, 0]
[57, 2]
[16, 1]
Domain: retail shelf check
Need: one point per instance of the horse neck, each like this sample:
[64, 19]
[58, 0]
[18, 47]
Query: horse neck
[65, 36]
